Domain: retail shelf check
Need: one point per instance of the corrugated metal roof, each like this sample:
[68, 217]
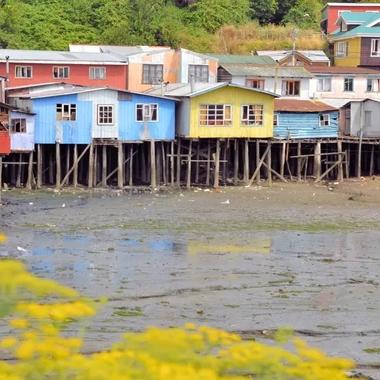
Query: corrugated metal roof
[354, 17]
[365, 29]
[339, 103]
[185, 89]
[242, 59]
[282, 72]
[304, 106]
[59, 56]
[341, 70]
[278, 55]
[120, 49]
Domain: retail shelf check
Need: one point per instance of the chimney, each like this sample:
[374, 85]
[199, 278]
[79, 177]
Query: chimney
[192, 83]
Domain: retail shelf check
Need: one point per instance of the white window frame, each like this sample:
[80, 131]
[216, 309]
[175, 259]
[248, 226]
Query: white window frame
[324, 120]
[61, 70]
[25, 72]
[342, 49]
[97, 73]
[375, 47]
[68, 115]
[344, 84]
[324, 84]
[276, 119]
[147, 112]
[251, 118]
[260, 83]
[226, 122]
[105, 108]
[373, 85]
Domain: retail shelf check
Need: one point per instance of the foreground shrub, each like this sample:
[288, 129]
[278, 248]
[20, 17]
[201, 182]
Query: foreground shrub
[39, 311]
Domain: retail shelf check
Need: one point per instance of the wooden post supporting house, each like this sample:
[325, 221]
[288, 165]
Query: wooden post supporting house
[196, 180]
[104, 165]
[236, 161]
[246, 161]
[58, 164]
[30, 172]
[340, 166]
[75, 158]
[172, 164]
[208, 162]
[269, 164]
[258, 177]
[131, 154]
[359, 159]
[188, 179]
[18, 180]
[372, 159]
[68, 162]
[164, 172]
[217, 164]
[260, 163]
[299, 163]
[179, 162]
[317, 159]
[91, 167]
[39, 166]
[120, 166]
[153, 177]
[282, 162]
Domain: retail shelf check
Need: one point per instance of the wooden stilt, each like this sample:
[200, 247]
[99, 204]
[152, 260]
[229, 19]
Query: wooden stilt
[217, 163]
[172, 163]
[51, 167]
[39, 166]
[260, 163]
[104, 165]
[163, 155]
[282, 162]
[96, 165]
[75, 158]
[208, 162]
[328, 170]
[317, 159]
[131, 154]
[58, 164]
[68, 162]
[236, 161]
[258, 177]
[158, 163]
[30, 172]
[246, 161]
[120, 166]
[360, 155]
[91, 167]
[372, 160]
[18, 180]
[275, 173]
[340, 157]
[143, 164]
[153, 177]
[269, 163]
[179, 162]
[225, 163]
[198, 163]
[188, 180]
[299, 162]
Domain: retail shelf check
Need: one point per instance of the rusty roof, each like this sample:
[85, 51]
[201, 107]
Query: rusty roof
[336, 70]
[301, 106]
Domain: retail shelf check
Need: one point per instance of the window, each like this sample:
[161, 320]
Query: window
[291, 87]
[105, 115]
[275, 119]
[375, 47]
[373, 85]
[199, 73]
[97, 73]
[61, 72]
[255, 83]
[324, 120]
[146, 112]
[342, 49]
[368, 119]
[23, 71]
[18, 125]
[215, 114]
[66, 112]
[152, 74]
[324, 84]
[252, 114]
[348, 84]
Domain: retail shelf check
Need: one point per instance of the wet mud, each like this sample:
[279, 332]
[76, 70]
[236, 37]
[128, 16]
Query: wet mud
[247, 260]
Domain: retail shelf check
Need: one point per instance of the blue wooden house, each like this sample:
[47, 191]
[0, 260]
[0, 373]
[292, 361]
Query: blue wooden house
[77, 115]
[303, 119]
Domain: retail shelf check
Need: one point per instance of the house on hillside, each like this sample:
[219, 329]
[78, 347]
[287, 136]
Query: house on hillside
[301, 57]
[235, 59]
[357, 39]
[361, 115]
[221, 110]
[332, 11]
[284, 81]
[304, 119]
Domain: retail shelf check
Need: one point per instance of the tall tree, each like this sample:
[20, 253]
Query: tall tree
[304, 14]
[263, 10]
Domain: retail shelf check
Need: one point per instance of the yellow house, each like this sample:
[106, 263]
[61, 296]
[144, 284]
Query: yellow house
[221, 110]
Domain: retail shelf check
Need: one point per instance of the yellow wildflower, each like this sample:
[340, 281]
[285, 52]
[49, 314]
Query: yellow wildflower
[3, 238]
[19, 323]
[8, 342]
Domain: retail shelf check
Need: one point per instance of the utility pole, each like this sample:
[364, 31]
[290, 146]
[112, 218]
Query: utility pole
[294, 37]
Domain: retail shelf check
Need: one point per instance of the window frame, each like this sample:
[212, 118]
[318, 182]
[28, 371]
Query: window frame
[199, 78]
[375, 84]
[322, 88]
[152, 107]
[150, 79]
[288, 81]
[227, 122]
[61, 68]
[276, 118]
[342, 53]
[20, 67]
[322, 120]
[23, 125]
[94, 69]
[111, 106]
[71, 107]
[375, 42]
[351, 79]
[248, 115]
[258, 80]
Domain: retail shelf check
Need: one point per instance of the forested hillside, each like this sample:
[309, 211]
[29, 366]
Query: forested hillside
[231, 26]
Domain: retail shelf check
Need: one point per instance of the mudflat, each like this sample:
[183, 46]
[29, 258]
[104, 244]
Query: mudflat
[247, 260]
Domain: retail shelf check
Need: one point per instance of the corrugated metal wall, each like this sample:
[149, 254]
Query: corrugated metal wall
[305, 125]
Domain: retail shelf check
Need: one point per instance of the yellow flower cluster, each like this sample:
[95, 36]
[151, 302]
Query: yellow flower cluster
[187, 353]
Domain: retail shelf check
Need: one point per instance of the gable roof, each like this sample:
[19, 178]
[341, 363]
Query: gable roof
[301, 106]
[340, 70]
[267, 71]
[185, 90]
[366, 29]
[279, 55]
[353, 17]
[242, 59]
